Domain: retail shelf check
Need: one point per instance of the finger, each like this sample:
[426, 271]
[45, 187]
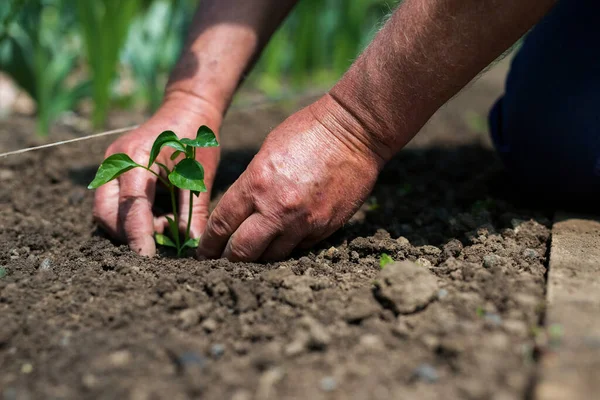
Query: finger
[161, 224]
[199, 212]
[136, 196]
[232, 210]
[281, 247]
[106, 209]
[251, 239]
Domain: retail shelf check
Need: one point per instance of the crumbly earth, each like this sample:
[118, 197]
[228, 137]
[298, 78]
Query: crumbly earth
[85, 318]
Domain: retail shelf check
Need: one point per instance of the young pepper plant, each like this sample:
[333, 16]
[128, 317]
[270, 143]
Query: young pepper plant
[188, 174]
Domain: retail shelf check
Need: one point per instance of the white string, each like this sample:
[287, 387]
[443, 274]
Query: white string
[79, 139]
[250, 106]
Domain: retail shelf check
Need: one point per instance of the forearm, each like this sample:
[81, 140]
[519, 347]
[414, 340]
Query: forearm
[425, 54]
[225, 39]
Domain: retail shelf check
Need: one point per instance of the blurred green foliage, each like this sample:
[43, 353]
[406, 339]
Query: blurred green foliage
[117, 52]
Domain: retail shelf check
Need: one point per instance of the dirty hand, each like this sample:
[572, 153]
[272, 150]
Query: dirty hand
[310, 176]
[123, 207]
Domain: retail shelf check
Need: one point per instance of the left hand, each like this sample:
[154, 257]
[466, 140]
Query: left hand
[309, 177]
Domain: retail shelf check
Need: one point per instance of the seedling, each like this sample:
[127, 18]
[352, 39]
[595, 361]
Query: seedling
[2, 272]
[385, 260]
[188, 174]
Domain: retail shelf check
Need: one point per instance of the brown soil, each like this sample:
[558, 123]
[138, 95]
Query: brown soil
[83, 317]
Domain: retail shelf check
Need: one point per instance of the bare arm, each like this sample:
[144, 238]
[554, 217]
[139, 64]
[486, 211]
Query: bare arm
[318, 167]
[426, 52]
[226, 38]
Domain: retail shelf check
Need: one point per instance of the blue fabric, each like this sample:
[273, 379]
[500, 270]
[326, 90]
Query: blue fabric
[546, 127]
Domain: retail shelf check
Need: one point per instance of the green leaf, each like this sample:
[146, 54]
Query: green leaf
[188, 175]
[175, 154]
[167, 138]
[164, 240]
[112, 168]
[385, 260]
[192, 243]
[3, 270]
[204, 138]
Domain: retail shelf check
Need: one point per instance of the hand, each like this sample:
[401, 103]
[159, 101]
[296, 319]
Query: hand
[123, 207]
[310, 176]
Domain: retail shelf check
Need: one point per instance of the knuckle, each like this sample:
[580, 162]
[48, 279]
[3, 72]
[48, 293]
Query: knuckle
[218, 226]
[291, 201]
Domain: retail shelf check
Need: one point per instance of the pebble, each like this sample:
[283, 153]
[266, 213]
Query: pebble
[442, 294]
[493, 319]
[14, 254]
[328, 384]
[46, 264]
[217, 350]
[424, 262]
[530, 253]
[491, 260]
[27, 368]
[371, 342]
[406, 287]
[210, 325]
[6, 174]
[426, 373]
[119, 358]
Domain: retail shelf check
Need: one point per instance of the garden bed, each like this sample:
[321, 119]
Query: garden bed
[83, 317]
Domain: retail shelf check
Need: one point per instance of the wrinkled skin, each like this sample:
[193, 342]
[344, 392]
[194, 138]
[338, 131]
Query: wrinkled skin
[123, 207]
[309, 177]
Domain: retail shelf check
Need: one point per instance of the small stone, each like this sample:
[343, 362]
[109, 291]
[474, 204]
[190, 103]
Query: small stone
[402, 241]
[530, 253]
[217, 350]
[6, 174]
[491, 260]
[46, 264]
[442, 294]
[189, 317]
[493, 319]
[14, 254]
[426, 373]
[406, 287]
[371, 342]
[27, 368]
[210, 325]
[423, 262]
[120, 358]
[328, 384]
[331, 253]
[354, 256]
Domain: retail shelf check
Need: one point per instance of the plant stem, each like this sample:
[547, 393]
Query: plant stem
[189, 221]
[176, 219]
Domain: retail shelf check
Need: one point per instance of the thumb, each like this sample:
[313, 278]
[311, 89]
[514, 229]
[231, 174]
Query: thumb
[199, 212]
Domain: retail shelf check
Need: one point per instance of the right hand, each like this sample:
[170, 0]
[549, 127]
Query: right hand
[123, 207]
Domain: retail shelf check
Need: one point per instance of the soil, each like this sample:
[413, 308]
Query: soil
[454, 318]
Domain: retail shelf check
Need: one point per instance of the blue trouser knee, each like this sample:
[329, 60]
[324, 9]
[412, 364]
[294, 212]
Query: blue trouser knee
[546, 127]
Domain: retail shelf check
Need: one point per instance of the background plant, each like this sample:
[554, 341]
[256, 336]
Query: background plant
[188, 174]
[39, 49]
[61, 51]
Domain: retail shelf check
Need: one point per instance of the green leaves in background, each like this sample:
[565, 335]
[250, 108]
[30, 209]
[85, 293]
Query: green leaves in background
[104, 25]
[39, 49]
[188, 175]
[111, 168]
